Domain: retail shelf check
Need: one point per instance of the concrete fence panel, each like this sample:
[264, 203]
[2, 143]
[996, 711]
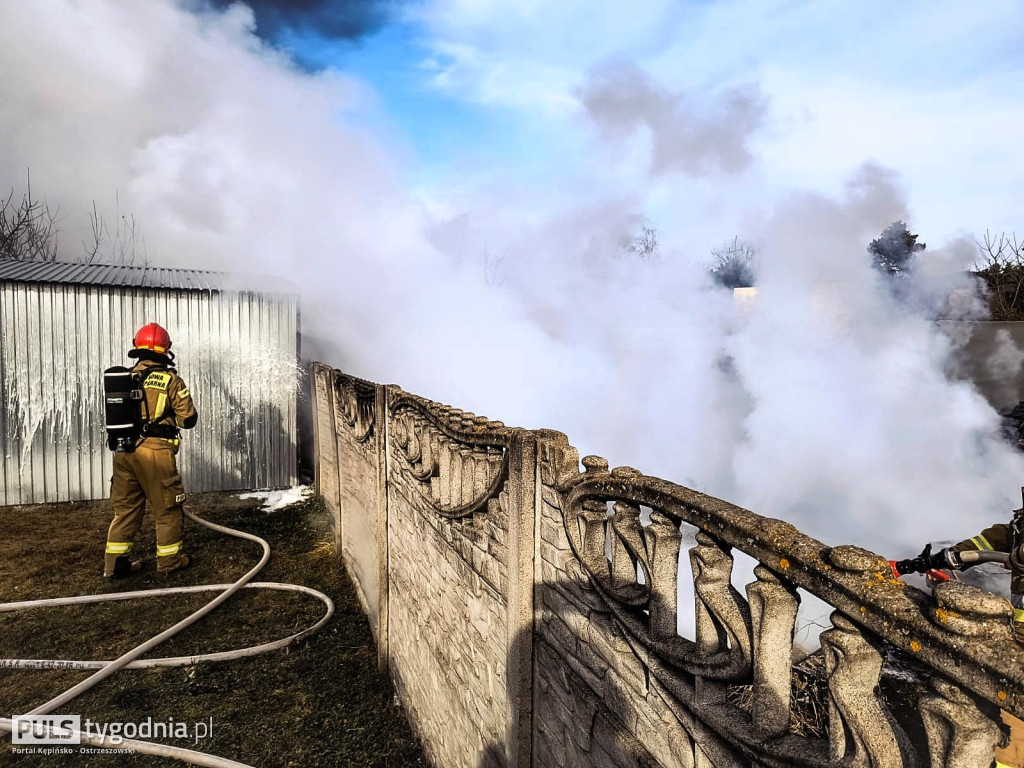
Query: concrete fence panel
[528, 610]
[460, 542]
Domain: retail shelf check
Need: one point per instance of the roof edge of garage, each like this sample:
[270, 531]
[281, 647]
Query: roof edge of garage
[117, 276]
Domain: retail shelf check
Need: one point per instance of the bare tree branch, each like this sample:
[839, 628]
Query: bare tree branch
[124, 246]
[29, 232]
[28, 229]
[1000, 265]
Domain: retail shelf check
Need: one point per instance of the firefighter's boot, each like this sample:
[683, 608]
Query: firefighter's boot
[124, 566]
[182, 562]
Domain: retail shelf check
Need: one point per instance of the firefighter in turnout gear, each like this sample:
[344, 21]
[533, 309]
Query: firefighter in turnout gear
[1000, 538]
[145, 467]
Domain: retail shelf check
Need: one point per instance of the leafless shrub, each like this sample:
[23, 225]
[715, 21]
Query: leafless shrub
[645, 243]
[1000, 265]
[734, 265]
[29, 232]
[124, 246]
[28, 228]
[492, 270]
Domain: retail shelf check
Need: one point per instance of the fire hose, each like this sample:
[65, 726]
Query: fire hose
[923, 563]
[131, 660]
[970, 558]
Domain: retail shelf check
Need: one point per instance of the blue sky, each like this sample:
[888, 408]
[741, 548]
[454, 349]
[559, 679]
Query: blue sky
[435, 124]
[445, 130]
[482, 90]
[536, 135]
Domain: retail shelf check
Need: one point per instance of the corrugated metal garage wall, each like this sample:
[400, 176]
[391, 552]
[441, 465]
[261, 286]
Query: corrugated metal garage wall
[236, 351]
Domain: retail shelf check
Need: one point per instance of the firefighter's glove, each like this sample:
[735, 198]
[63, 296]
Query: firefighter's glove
[945, 558]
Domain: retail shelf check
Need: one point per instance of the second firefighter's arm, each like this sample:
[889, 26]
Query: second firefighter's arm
[997, 538]
[185, 415]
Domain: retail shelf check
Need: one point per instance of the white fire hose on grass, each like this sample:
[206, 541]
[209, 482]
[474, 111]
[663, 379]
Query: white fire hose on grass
[131, 660]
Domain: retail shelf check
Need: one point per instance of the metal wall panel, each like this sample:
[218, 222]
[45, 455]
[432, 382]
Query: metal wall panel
[237, 353]
[7, 433]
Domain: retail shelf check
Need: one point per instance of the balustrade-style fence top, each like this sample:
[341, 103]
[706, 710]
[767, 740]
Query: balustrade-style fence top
[952, 649]
[908, 678]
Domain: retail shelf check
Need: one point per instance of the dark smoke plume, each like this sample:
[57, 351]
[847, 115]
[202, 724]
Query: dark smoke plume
[327, 19]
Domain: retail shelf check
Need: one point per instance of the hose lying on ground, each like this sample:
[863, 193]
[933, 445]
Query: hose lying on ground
[131, 658]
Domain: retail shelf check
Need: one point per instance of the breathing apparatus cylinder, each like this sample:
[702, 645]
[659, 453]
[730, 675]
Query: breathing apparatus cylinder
[123, 401]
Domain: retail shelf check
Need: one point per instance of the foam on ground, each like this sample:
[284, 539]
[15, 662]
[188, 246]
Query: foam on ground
[275, 500]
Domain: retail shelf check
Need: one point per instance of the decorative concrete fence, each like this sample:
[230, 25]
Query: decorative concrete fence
[528, 611]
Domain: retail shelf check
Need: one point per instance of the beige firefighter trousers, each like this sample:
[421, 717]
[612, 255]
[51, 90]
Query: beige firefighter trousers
[150, 473]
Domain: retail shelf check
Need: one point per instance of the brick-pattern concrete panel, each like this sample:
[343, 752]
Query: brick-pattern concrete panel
[453, 531]
[579, 647]
[573, 728]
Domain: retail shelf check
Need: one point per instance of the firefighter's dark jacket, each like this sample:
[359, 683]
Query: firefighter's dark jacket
[1000, 538]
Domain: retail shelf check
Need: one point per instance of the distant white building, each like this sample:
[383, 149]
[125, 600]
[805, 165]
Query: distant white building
[744, 297]
[62, 324]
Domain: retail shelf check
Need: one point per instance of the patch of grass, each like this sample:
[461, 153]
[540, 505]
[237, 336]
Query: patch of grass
[808, 698]
[320, 702]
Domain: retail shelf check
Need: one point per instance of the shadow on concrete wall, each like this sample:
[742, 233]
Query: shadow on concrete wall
[306, 448]
[569, 723]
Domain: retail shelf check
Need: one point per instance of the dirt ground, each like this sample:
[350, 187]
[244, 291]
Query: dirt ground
[320, 702]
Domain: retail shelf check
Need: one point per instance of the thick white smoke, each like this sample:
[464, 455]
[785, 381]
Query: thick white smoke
[684, 134]
[824, 402]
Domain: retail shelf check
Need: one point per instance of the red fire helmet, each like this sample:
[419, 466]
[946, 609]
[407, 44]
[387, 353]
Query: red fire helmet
[153, 337]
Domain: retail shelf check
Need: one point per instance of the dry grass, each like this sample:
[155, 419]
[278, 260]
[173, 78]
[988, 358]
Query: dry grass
[809, 692]
[318, 703]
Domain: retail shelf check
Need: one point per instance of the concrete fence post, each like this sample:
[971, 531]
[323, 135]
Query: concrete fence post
[380, 407]
[522, 486]
[326, 443]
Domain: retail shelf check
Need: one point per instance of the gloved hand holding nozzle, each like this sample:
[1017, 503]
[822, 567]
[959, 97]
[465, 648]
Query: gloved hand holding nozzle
[947, 558]
[927, 560]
